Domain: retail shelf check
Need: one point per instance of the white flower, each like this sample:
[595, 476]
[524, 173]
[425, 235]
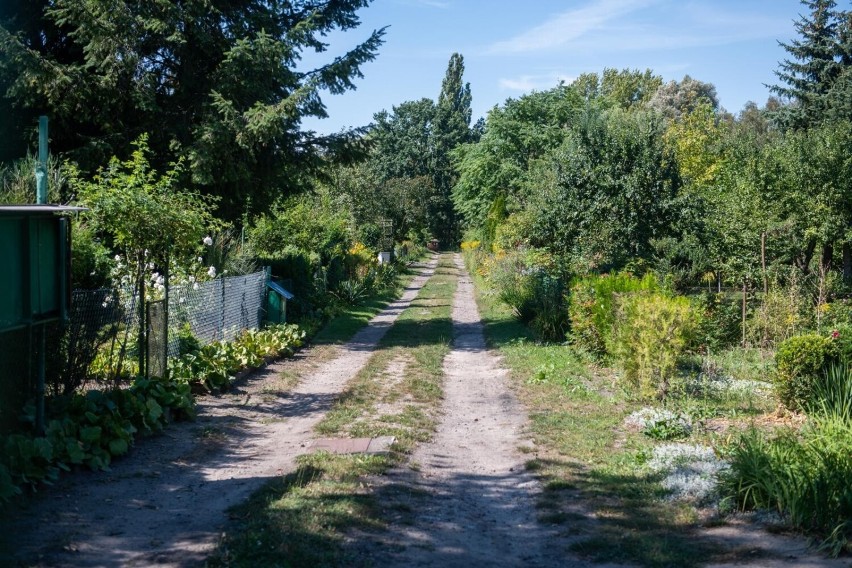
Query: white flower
[118, 258]
[211, 272]
[200, 259]
[161, 281]
[192, 278]
[692, 471]
[155, 276]
[195, 286]
[208, 241]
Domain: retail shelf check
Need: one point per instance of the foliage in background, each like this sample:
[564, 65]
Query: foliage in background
[606, 192]
[142, 214]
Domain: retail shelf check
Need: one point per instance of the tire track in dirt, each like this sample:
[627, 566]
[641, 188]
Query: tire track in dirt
[166, 503]
[471, 497]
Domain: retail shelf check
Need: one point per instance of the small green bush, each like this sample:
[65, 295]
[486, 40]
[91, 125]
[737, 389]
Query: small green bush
[590, 307]
[800, 362]
[650, 334]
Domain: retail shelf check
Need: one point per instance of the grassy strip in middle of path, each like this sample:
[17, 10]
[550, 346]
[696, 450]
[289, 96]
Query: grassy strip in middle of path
[302, 518]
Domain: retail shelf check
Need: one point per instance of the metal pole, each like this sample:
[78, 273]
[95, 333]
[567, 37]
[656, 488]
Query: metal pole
[39, 417]
[41, 166]
[165, 353]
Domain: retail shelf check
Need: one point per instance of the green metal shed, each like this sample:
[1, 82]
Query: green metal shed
[35, 290]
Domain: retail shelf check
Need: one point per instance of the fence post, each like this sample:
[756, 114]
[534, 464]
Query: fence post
[222, 324]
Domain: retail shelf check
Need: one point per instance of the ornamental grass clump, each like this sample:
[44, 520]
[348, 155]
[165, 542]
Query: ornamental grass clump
[804, 475]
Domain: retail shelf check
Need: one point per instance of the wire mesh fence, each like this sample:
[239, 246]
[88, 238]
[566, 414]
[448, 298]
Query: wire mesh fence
[217, 310]
[101, 340]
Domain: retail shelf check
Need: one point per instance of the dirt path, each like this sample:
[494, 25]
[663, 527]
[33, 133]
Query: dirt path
[471, 496]
[166, 503]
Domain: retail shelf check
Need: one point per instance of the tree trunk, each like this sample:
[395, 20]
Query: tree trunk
[804, 261]
[827, 258]
[847, 264]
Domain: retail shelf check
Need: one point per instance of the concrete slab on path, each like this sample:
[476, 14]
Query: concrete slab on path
[378, 445]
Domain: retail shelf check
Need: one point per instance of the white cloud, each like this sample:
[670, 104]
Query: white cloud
[604, 26]
[526, 83]
[568, 26]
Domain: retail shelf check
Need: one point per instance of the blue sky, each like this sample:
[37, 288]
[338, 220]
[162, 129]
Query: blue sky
[512, 47]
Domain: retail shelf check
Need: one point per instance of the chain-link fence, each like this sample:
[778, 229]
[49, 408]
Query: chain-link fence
[101, 339]
[216, 310]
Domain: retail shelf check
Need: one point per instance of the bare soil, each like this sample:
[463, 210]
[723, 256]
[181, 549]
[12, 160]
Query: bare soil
[464, 499]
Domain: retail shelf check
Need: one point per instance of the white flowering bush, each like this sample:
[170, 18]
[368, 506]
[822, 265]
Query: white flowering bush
[691, 470]
[660, 423]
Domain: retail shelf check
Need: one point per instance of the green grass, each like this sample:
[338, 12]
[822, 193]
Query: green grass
[299, 519]
[576, 412]
[303, 518]
[420, 337]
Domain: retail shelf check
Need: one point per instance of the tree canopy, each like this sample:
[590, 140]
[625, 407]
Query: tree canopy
[219, 82]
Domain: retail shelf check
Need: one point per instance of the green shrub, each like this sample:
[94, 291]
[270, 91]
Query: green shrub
[781, 314]
[591, 307]
[800, 362]
[536, 296]
[650, 334]
[803, 475]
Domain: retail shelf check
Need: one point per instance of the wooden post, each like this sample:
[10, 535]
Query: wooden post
[744, 313]
[763, 262]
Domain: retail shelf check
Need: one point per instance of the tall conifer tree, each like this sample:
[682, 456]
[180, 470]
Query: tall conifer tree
[817, 61]
[451, 127]
[221, 82]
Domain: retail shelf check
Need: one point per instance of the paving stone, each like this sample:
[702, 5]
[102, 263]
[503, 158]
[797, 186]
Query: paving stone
[379, 445]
